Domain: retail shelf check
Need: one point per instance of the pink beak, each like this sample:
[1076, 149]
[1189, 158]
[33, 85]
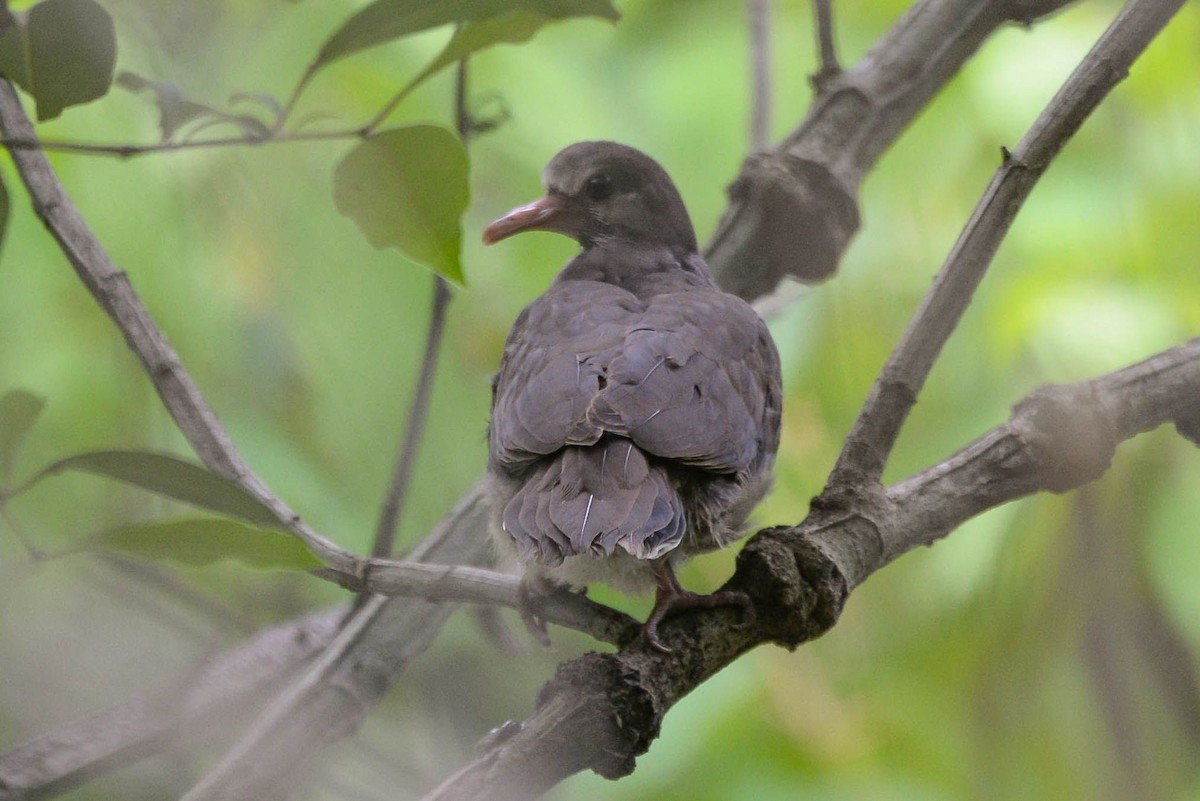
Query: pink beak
[540, 215]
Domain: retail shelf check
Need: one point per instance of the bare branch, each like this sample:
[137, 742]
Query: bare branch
[1060, 437]
[112, 290]
[758, 17]
[414, 432]
[895, 391]
[793, 211]
[829, 67]
[465, 584]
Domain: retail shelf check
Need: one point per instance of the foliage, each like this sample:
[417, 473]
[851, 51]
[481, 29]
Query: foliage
[967, 670]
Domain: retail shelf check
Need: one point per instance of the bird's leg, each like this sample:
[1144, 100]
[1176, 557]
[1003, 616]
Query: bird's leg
[671, 598]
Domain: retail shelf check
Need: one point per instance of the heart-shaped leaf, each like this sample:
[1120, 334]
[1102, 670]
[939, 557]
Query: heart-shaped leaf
[407, 188]
[60, 51]
[201, 542]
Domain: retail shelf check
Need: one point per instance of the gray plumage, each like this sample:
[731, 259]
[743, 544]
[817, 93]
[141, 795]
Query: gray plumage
[636, 412]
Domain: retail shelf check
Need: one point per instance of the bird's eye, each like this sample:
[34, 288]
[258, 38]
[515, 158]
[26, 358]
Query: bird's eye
[598, 187]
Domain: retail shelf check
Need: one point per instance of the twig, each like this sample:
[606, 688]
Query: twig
[288, 107]
[393, 504]
[758, 17]
[895, 391]
[829, 68]
[31, 142]
[114, 293]
[466, 584]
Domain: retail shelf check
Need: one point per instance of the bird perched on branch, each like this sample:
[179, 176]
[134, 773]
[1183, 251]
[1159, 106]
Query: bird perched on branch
[635, 415]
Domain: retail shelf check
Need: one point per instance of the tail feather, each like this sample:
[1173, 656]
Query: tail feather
[595, 499]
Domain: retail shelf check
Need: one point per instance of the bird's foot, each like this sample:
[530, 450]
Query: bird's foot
[671, 598]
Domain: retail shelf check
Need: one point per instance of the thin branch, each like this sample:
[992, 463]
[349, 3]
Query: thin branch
[393, 504]
[829, 67]
[17, 142]
[288, 107]
[414, 432]
[895, 391]
[465, 584]
[113, 292]
[758, 17]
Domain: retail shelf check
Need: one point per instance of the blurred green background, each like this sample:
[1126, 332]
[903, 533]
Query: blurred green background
[1046, 650]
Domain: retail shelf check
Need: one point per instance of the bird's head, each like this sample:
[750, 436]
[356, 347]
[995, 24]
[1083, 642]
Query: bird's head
[598, 192]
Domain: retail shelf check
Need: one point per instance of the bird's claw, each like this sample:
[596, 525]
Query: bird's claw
[527, 591]
[671, 603]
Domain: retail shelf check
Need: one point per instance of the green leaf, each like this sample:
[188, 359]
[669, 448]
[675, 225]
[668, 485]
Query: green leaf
[169, 476]
[19, 410]
[202, 542]
[14, 58]
[512, 27]
[407, 188]
[388, 20]
[61, 51]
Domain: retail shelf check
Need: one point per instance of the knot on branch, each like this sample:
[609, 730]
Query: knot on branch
[797, 588]
[614, 714]
[1069, 432]
[1187, 422]
[787, 216]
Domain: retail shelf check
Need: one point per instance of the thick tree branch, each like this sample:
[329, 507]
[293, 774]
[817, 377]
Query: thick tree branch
[1060, 437]
[794, 210]
[603, 710]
